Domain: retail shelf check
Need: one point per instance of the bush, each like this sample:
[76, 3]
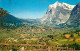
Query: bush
[76, 46]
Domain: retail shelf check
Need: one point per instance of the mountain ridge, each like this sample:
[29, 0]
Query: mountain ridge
[57, 13]
[75, 16]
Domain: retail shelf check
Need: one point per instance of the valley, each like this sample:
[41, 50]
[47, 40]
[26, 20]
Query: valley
[60, 26]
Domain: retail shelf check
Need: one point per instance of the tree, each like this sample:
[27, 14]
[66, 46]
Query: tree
[14, 50]
[50, 36]
[3, 14]
[74, 39]
[72, 35]
[75, 45]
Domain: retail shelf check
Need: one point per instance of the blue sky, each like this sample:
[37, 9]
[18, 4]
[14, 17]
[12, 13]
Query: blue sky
[30, 8]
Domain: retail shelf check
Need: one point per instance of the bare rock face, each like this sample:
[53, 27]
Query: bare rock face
[57, 13]
[74, 19]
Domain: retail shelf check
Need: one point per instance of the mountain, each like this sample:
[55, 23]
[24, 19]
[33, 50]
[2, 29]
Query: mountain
[12, 19]
[57, 13]
[74, 19]
[31, 21]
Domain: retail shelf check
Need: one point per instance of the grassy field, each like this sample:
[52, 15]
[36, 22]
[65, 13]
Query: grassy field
[41, 35]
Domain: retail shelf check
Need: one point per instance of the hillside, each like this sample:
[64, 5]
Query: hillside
[41, 35]
[74, 19]
[12, 19]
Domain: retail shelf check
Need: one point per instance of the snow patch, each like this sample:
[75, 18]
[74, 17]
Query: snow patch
[64, 5]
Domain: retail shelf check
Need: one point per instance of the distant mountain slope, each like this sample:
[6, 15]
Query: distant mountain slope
[31, 21]
[12, 19]
[19, 22]
[57, 13]
[74, 19]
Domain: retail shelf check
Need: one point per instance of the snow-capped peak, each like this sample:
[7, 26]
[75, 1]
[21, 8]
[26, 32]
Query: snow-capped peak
[64, 5]
[56, 2]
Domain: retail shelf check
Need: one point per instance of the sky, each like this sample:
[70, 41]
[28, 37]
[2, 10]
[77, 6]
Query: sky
[30, 8]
